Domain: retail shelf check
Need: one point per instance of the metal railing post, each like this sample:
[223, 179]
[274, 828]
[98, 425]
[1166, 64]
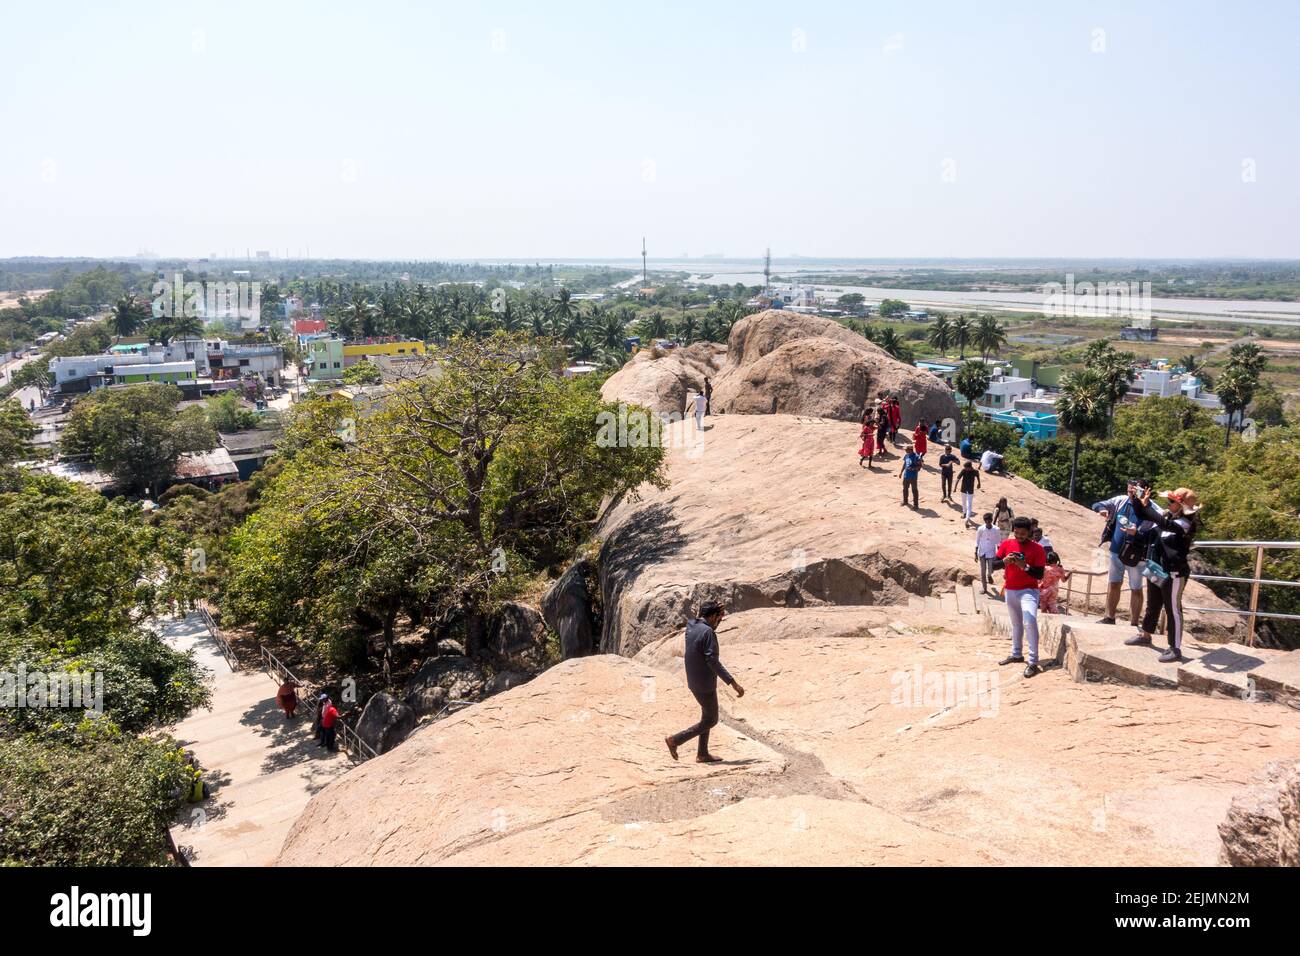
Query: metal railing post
[1254, 593]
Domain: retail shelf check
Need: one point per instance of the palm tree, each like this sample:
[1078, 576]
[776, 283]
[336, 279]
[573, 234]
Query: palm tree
[1192, 363]
[1236, 387]
[971, 382]
[185, 327]
[126, 317]
[889, 340]
[612, 332]
[687, 328]
[654, 326]
[357, 316]
[562, 314]
[941, 335]
[989, 336]
[731, 312]
[1114, 368]
[583, 349]
[962, 334]
[1083, 408]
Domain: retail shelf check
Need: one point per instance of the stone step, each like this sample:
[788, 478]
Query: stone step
[1228, 670]
[1279, 677]
[934, 605]
[915, 602]
[949, 602]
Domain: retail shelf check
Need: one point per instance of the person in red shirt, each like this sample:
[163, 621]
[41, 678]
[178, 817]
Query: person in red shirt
[919, 438]
[895, 418]
[329, 717]
[868, 449]
[1023, 561]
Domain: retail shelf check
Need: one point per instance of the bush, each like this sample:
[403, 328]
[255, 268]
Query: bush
[986, 434]
[105, 802]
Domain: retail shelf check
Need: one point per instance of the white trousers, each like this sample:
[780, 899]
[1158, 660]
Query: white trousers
[1022, 604]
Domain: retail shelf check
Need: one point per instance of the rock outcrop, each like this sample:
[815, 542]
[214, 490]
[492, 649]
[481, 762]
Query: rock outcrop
[566, 607]
[385, 723]
[1262, 826]
[863, 739]
[515, 629]
[774, 511]
[662, 381]
[786, 363]
[441, 680]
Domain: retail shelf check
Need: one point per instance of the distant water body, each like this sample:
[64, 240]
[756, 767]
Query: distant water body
[750, 272]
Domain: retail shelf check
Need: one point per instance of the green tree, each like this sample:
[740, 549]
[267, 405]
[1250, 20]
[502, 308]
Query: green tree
[136, 433]
[363, 373]
[16, 432]
[890, 308]
[990, 337]
[127, 316]
[941, 335]
[1083, 408]
[963, 334]
[971, 382]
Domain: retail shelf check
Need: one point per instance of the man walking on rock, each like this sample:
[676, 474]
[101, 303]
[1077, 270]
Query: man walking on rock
[703, 668]
[1024, 563]
[911, 474]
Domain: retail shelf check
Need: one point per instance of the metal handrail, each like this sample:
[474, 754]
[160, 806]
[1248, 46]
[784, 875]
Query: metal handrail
[1069, 587]
[351, 742]
[222, 643]
[1254, 613]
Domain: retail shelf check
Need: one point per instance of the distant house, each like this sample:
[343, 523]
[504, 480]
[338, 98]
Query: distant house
[1135, 333]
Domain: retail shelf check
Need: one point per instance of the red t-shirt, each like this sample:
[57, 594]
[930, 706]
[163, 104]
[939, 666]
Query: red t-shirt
[1035, 557]
[328, 716]
[918, 439]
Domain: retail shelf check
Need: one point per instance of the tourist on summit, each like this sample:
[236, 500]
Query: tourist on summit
[1002, 515]
[708, 396]
[1036, 534]
[895, 418]
[703, 668]
[911, 474]
[993, 463]
[882, 429]
[919, 438]
[1049, 588]
[1124, 535]
[947, 462]
[1166, 568]
[987, 539]
[701, 406]
[936, 435]
[329, 716]
[868, 449]
[967, 449]
[1024, 564]
[968, 480]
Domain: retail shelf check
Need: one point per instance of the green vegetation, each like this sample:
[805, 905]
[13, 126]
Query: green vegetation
[226, 413]
[79, 578]
[136, 434]
[363, 373]
[454, 491]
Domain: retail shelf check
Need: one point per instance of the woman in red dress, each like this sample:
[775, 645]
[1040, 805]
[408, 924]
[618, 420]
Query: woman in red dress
[868, 449]
[919, 437]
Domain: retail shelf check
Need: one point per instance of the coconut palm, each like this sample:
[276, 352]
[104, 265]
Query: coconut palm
[963, 333]
[127, 316]
[611, 333]
[688, 329]
[989, 336]
[1236, 388]
[654, 326]
[941, 335]
[1083, 408]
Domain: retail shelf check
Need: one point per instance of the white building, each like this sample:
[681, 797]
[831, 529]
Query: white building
[1003, 392]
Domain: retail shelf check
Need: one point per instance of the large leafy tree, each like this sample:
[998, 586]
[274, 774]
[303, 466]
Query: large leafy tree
[136, 433]
[16, 432]
[458, 483]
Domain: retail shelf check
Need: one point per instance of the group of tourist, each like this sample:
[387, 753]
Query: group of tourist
[324, 722]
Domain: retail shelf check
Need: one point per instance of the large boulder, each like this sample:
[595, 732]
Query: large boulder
[1262, 826]
[566, 607]
[785, 363]
[662, 380]
[515, 629]
[775, 511]
[441, 680]
[1289, 802]
[385, 723]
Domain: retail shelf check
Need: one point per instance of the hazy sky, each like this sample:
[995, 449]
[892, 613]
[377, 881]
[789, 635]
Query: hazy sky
[440, 130]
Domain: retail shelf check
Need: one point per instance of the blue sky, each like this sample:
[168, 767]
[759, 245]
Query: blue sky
[444, 130]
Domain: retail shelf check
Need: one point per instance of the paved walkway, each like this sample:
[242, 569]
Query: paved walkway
[260, 768]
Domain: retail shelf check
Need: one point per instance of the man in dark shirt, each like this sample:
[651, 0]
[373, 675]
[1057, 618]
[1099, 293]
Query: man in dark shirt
[947, 461]
[702, 672]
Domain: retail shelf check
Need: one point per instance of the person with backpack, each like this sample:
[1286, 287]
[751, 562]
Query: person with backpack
[1127, 548]
[911, 475]
[1166, 568]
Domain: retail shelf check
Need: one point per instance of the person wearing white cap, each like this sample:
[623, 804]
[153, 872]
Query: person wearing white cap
[1166, 568]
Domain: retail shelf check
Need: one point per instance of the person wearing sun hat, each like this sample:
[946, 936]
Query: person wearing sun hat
[1175, 530]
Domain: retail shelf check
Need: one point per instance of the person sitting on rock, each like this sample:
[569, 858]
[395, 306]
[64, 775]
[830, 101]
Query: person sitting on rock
[703, 668]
